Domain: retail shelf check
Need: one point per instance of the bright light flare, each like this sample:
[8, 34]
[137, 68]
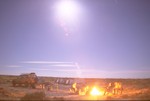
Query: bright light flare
[95, 92]
[67, 9]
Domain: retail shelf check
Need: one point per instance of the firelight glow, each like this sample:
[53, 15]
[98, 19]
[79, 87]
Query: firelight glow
[95, 92]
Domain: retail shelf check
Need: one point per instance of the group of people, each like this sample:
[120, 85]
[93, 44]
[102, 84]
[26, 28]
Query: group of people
[79, 89]
[114, 88]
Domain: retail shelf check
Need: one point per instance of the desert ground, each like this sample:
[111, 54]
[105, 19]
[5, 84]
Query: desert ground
[133, 89]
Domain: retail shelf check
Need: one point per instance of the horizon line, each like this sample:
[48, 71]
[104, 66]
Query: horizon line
[82, 77]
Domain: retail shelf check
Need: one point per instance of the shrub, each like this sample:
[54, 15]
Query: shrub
[108, 98]
[34, 96]
[58, 99]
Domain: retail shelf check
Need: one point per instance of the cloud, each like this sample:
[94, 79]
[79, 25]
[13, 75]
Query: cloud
[64, 65]
[13, 66]
[39, 69]
[65, 70]
[57, 70]
[131, 71]
[46, 62]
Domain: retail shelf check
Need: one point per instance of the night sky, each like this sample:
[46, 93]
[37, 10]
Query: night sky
[103, 39]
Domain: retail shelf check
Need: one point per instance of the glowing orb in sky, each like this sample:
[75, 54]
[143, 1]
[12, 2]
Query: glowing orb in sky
[67, 13]
[68, 9]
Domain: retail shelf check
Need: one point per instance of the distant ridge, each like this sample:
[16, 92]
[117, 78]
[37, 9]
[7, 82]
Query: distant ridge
[78, 78]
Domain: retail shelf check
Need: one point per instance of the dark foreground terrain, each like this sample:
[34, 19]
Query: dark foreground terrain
[134, 89]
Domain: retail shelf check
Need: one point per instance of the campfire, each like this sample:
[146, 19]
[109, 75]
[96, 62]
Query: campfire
[96, 92]
[86, 90]
[112, 88]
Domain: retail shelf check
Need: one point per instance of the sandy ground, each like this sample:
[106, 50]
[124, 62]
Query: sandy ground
[136, 89]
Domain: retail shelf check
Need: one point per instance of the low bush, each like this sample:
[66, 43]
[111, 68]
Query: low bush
[58, 99]
[34, 96]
